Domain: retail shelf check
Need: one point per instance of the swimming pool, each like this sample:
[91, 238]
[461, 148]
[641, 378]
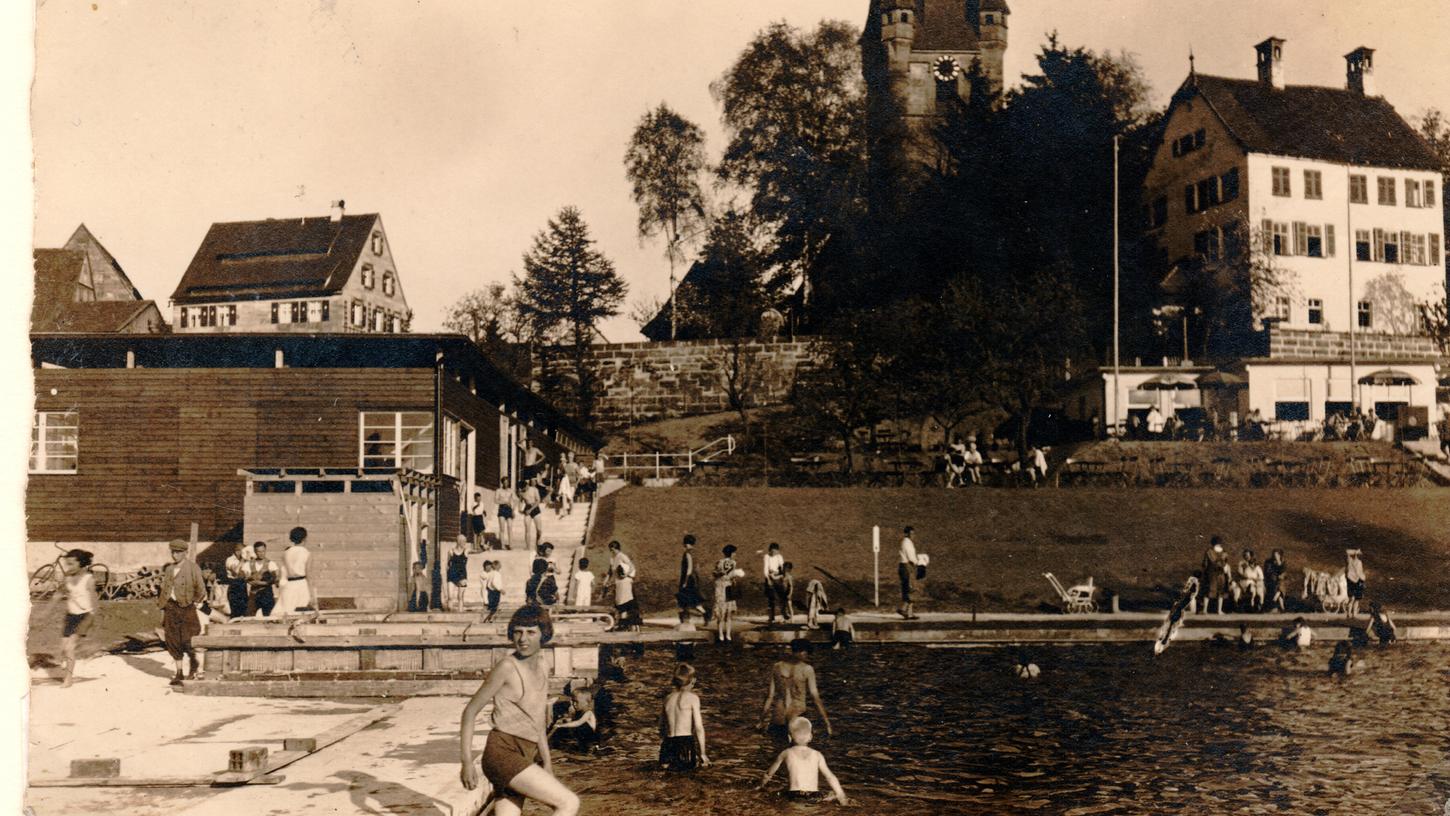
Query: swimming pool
[1105, 729]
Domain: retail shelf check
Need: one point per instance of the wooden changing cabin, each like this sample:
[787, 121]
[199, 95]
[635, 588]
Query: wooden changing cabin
[365, 528]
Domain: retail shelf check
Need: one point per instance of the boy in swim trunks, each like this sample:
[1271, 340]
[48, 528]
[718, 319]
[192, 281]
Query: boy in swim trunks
[805, 766]
[518, 745]
[682, 730]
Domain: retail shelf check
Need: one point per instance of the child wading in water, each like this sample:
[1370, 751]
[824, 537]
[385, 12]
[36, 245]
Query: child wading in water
[682, 730]
[80, 606]
[518, 688]
[805, 766]
[579, 722]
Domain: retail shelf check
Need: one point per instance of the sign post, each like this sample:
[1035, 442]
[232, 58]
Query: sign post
[876, 560]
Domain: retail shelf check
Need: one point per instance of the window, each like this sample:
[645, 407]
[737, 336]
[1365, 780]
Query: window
[388, 285]
[1313, 184]
[1198, 138]
[1314, 241]
[1429, 193]
[1281, 181]
[1362, 251]
[314, 311]
[1386, 190]
[297, 311]
[359, 314]
[1291, 411]
[1391, 247]
[396, 439]
[1301, 238]
[1316, 312]
[1206, 244]
[1208, 192]
[1358, 190]
[1281, 244]
[1329, 240]
[1281, 307]
[276, 316]
[184, 312]
[377, 320]
[367, 276]
[378, 243]
[1414, 244]
[54, 441]
[1366, 315]
[1158, 213]
[1230, 184]
[229, 317]
[326, 311]
[1435, 258]
[1412, 193]
[1190, 201]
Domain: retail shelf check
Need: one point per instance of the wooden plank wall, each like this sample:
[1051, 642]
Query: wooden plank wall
[355, 539]
[160, 448]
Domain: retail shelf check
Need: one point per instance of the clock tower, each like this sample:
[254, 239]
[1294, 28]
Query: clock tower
[921, 56]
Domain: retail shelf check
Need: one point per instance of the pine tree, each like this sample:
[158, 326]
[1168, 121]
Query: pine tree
[567, 289]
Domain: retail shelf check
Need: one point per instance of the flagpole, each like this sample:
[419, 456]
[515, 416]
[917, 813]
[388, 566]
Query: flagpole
[1116, 372]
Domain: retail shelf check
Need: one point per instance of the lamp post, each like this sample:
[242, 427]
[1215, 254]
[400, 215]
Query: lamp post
[1116, 372]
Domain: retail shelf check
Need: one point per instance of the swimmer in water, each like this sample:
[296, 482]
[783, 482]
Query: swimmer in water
[1381, 626]
[1300, 635]
[1181, 608]
[805, 766]
[1342, 662]
[791, 683]
[579, 722]
[1025, 668]
[682, 729]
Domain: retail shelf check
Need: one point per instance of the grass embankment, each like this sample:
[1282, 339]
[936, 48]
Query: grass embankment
[989, 548]
[114, 622]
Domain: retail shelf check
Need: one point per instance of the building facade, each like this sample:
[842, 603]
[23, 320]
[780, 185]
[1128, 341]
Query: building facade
[308, 275]
[1318, 210]
[80, 288]
[137, 437]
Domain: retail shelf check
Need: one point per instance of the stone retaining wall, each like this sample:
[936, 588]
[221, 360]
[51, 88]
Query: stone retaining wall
[645, 382]
[1300, 344]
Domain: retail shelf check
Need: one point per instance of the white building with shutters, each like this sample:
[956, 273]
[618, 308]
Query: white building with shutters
[1341, 196]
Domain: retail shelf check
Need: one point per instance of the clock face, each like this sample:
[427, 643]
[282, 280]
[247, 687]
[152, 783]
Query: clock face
[946, 69]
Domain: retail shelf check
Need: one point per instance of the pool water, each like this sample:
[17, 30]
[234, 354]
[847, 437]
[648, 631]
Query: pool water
[1105, 729]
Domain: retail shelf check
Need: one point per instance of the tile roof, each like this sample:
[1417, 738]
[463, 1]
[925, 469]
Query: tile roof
[1330, 124]
[56, 310]
[246, 260]
[943, 26]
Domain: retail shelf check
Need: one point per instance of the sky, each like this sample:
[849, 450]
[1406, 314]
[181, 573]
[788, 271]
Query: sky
[468, 124]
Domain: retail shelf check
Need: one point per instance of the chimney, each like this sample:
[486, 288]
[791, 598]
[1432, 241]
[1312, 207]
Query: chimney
[337, 207]
[1359, 71]
[1271, 62]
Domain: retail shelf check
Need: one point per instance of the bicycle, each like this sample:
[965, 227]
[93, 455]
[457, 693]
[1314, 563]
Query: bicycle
[47, 580]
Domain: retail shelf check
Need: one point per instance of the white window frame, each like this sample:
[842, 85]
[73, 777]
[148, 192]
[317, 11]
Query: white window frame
[44, 427]
[314, 311]
[1358, 189]
[1313, 184]
[377, 243]
[1280, 244]
[1386, 190]
[368, 274]
[1312, 306]
[1281, 182]
[1412, 193]
[1364, 315]
[1282, 306]
[398, 427]
[389, 283]
[229, 316]
[1312, 233]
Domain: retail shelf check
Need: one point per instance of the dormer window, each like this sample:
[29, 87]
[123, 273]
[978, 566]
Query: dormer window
[990, 20]
[368, 276]
[378, 243]
[388, 285]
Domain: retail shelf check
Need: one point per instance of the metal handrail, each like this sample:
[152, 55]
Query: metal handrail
[661, 462]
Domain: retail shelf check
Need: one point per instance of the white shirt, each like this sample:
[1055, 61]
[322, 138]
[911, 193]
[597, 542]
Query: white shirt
[774, 565]
[80, 593]
[908, 551]
[974, 457]
[295, 558]
[237, 567]
[493, 579]
[583, 588]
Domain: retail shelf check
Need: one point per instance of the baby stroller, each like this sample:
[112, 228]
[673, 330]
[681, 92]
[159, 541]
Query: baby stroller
[1077, 598]
[1329, 590]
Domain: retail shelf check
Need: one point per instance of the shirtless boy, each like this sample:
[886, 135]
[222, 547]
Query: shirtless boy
[682, 730]
[805, 766]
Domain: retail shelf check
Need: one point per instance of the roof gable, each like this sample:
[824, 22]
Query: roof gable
[1311, 122]
[58, 274]
[275, 258]
[943, 26]
[115, 285]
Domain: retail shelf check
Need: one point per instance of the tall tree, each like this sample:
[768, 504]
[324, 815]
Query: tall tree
[794, 107]
[568, 287]
[664, 161]
[490, 318]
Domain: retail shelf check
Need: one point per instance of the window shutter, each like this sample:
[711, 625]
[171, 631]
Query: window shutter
[1329, 240]
[1188, 199]
[1379, 245]
[1406, 255]
[1435, 259]
[326, 309]
[274, 313]
[1268, 228]
[1301, 239]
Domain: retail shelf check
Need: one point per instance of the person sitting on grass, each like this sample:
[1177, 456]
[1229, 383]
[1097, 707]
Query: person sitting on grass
[804, 766]
[682, 729]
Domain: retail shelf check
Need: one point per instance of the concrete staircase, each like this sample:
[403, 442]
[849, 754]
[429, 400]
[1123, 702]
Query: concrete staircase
[1436, 466]
[567, 532]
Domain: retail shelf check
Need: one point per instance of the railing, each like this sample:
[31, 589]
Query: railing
[662, 463]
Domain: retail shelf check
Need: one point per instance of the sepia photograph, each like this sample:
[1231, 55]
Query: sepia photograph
[648, 407]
